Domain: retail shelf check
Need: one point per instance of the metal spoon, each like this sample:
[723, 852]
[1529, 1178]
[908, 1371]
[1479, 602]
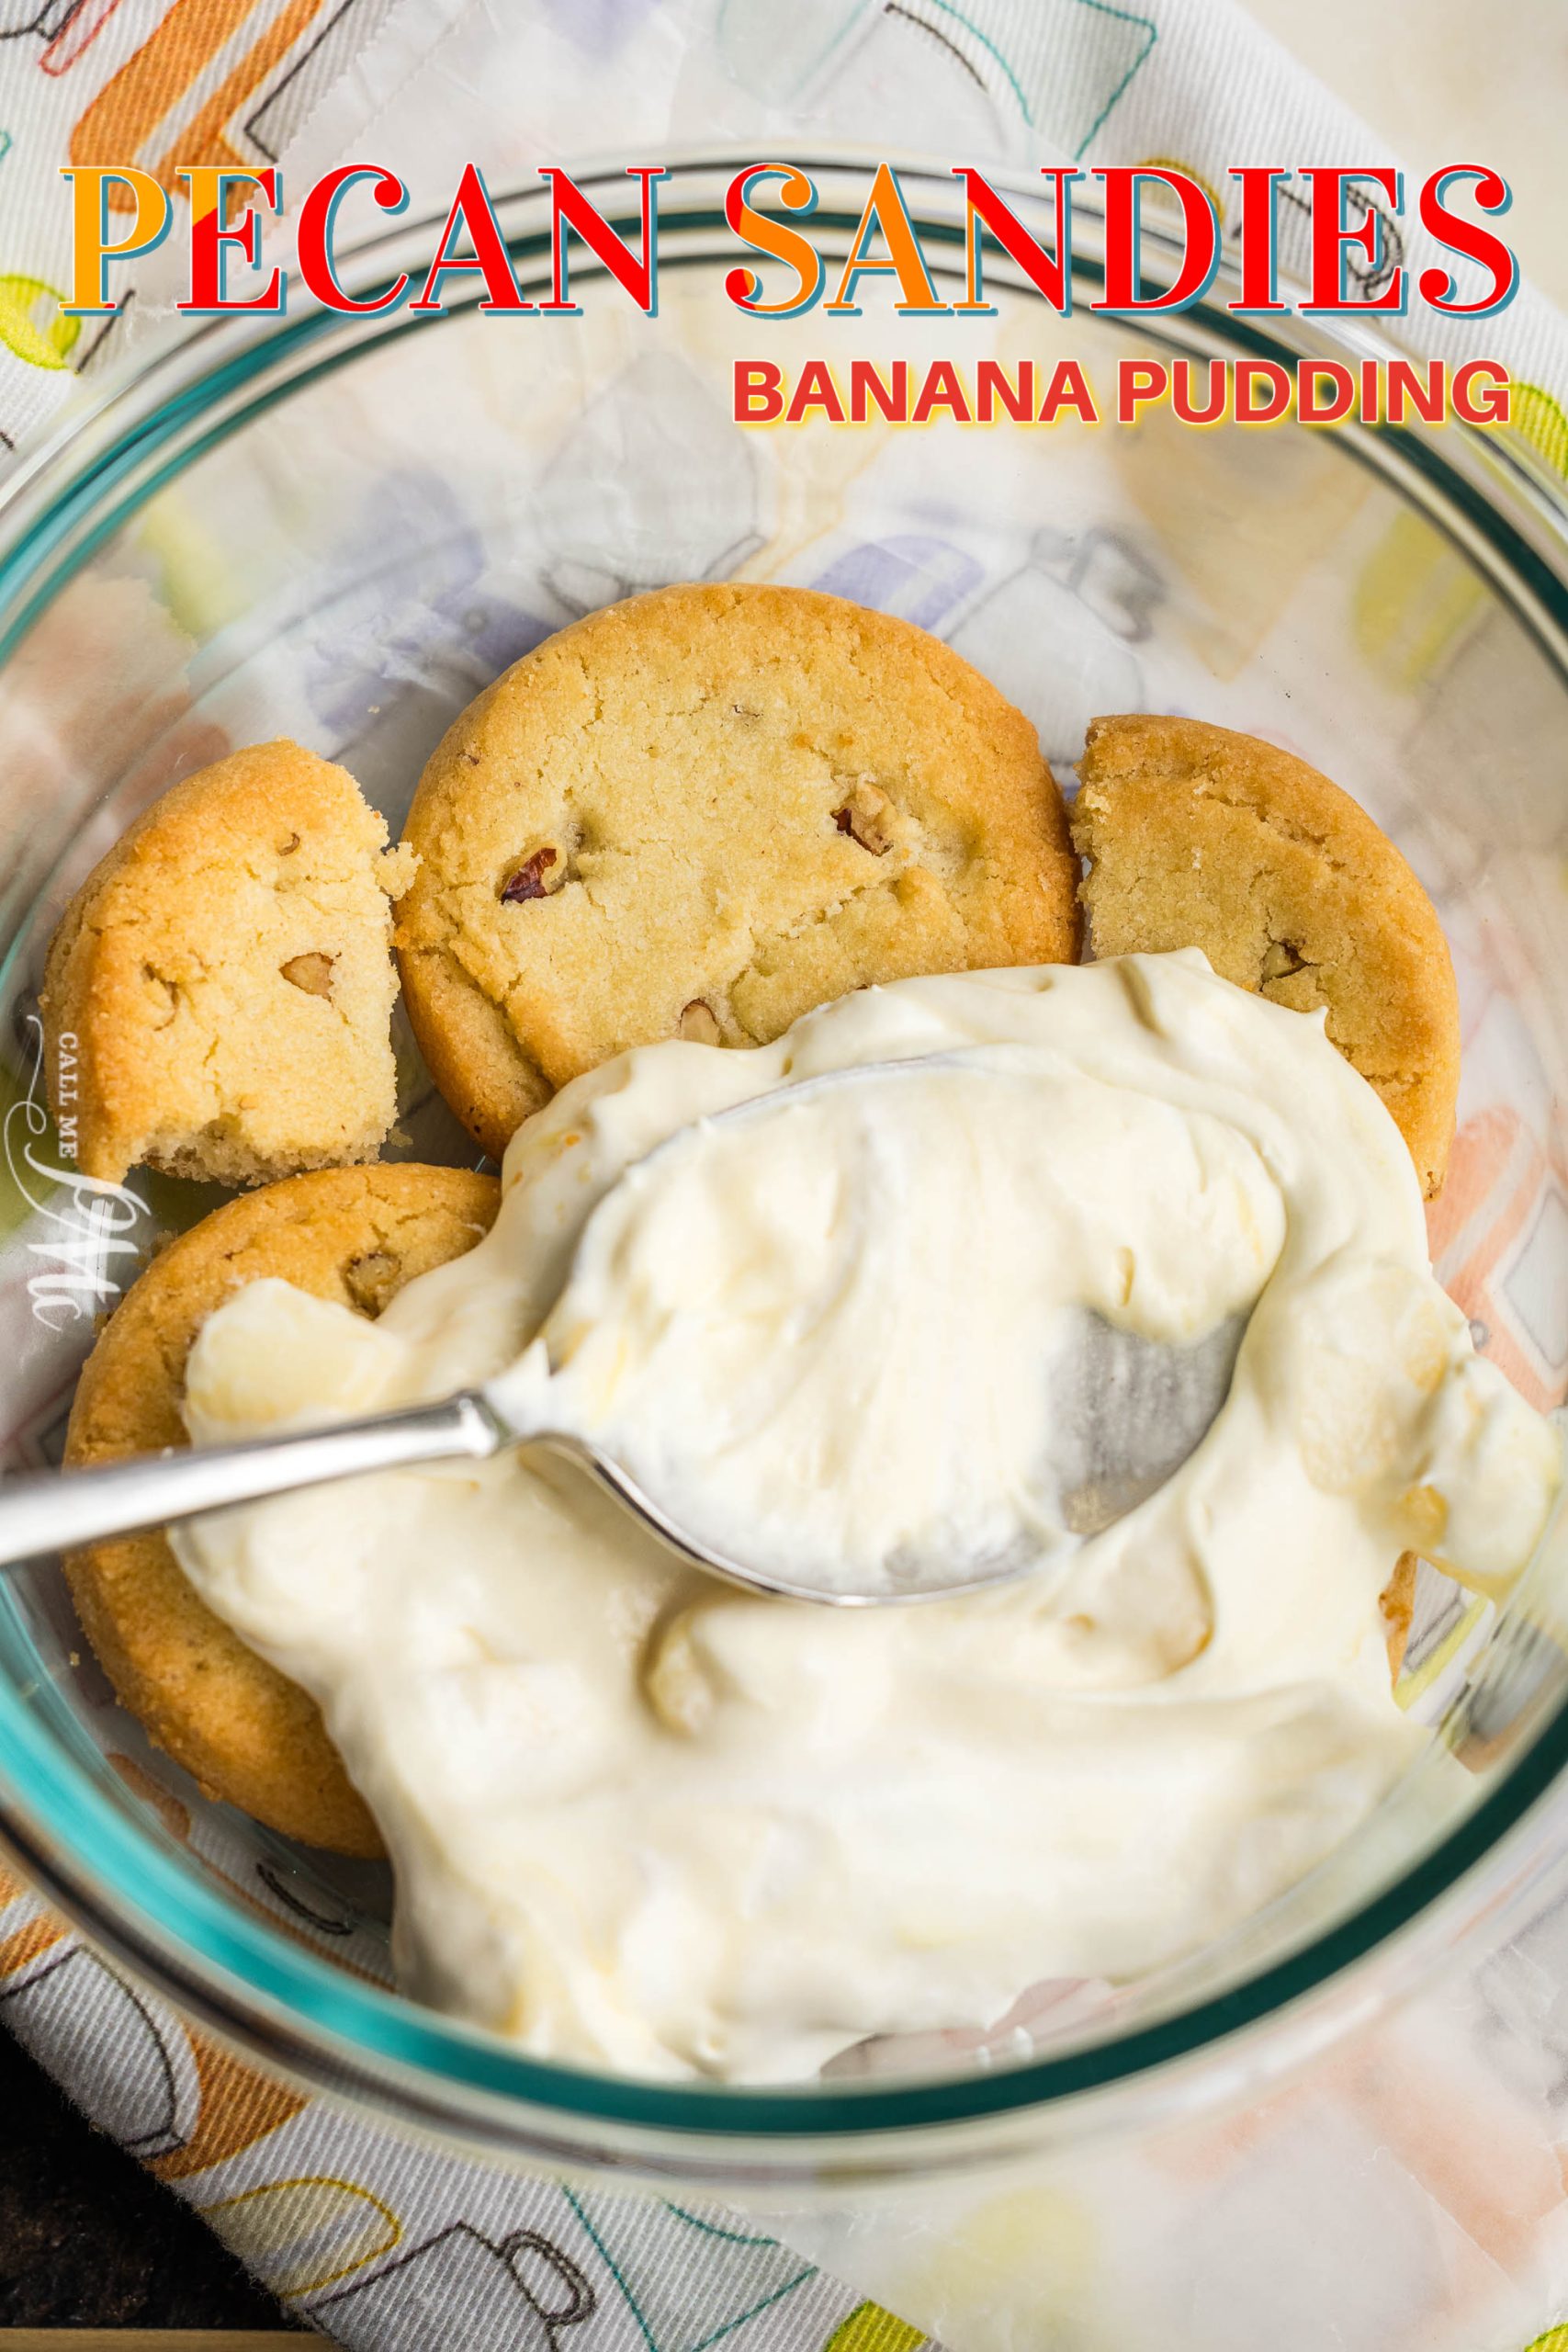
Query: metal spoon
[1125, 1413]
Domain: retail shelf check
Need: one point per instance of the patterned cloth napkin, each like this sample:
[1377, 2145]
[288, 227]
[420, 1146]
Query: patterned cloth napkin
[382, 2244]
[1409, 2192]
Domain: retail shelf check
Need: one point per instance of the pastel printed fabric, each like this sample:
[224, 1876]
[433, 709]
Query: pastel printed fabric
[388, 2249]
[154, 82]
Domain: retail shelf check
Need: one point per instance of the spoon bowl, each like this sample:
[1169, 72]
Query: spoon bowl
[1133, 1411]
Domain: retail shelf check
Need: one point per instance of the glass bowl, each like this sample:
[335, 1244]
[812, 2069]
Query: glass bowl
[340, 529]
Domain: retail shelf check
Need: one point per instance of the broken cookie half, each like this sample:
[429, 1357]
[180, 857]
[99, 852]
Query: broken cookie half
[1193, 836]
[218, 998]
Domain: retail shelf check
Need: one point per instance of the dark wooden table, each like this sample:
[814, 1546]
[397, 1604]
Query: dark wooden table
[86, 2239]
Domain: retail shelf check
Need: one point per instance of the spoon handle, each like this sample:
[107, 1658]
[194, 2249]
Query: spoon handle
[55, 1511]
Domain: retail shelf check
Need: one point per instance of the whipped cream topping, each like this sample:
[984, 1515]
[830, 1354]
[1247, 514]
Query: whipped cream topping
[644, 1821]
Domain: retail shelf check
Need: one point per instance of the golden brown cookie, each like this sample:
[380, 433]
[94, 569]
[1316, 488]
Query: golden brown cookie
[249, 1735]
[218, 997]
[702, 812]
[1197, 837]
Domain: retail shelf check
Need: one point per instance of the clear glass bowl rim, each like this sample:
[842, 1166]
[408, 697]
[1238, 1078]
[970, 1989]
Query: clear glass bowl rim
[119, 442]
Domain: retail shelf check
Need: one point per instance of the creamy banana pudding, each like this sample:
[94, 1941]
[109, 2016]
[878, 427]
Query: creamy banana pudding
[641, 1820]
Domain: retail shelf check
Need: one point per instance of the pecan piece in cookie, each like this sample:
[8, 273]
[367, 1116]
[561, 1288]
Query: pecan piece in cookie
[528, 882]
[313, 972]
[699, 1024]
[863, 818]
